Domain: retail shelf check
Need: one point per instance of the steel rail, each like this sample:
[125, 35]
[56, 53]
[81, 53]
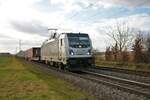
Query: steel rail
[128, 89]
[144, 85]
[97, 80]
[123, 70]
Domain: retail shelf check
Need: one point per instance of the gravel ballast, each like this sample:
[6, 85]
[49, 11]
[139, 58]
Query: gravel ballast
[123, 75]
[101, 91]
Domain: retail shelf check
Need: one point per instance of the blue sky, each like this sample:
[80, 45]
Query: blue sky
[28, 20]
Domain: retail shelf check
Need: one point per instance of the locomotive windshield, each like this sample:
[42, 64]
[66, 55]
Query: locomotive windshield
[78, 40]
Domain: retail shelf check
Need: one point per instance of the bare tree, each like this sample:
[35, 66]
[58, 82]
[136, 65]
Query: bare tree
[115, 52]
[108, 54]
[148, 46]
[125, 56]
[121, 34]
[147, 49]
[138, 49]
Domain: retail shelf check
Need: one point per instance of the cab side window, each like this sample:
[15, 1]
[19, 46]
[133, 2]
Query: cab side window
[61, 42]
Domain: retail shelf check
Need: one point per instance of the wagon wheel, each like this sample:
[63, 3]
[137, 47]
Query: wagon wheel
[66, 67]
[59, 66]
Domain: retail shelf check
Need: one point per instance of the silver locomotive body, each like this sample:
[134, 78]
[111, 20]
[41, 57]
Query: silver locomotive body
[69, 50]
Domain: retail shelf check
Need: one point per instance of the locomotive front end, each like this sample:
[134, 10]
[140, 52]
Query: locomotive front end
[80, 47]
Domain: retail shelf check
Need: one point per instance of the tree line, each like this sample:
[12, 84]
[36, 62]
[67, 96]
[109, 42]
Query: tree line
[127, 44]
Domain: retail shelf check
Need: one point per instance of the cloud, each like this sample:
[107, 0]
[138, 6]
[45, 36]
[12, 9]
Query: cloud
[29, 19]
[4, 36]
[140, 21]
[13, 45]
[2, 1]
[98, 29]
[30, 27]
[129, 3]
[73, 5]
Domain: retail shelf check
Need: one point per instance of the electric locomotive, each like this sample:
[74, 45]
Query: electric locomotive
[71, 51]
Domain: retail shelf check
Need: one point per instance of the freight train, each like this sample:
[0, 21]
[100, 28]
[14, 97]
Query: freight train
[70, 51]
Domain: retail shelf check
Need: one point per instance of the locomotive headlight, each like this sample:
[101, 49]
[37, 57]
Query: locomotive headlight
[71, 52]
[89, 52]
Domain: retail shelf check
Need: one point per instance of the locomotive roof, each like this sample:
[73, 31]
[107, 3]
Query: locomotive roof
[73, 33]
[69, 33]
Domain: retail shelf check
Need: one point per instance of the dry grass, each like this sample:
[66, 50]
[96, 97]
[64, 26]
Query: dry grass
[125, 65]
[19, 81]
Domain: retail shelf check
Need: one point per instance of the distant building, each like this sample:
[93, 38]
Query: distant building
[5, 54]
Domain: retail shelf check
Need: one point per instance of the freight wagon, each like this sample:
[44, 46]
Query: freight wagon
[21, 54]
[33, 54]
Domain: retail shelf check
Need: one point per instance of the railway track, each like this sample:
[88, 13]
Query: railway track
[130, 86]
[123, 84]
[123, 70]
[119, 83]
[123, 73]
